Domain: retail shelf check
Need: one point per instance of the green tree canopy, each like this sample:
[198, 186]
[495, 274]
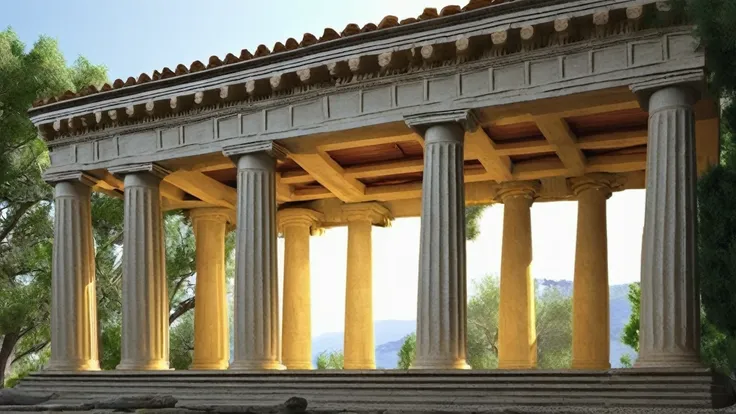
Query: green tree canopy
[26, 227]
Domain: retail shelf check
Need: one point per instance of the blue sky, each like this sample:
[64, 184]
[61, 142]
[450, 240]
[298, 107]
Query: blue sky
[139, 36]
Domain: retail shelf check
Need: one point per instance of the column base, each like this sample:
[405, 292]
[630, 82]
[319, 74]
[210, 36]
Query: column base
[591, 365]
[669, 360]
[298, 365]
[74, 365]
[205, 366]
[360, 365]
[516, 365]
[154, 365]
[440, 364]
[256, 365]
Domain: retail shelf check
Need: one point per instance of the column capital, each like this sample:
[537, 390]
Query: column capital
[300, 217]
[516, 189]
[464, 117]
[604, 182]
[80, 176]
[271, 148]
[691, 85]
[377, 214]
[148, 167]
[224, 215]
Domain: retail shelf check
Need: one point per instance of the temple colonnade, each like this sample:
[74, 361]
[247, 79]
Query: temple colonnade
[669, 314]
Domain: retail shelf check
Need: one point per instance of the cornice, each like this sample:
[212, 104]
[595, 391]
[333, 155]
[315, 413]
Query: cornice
[561, 23]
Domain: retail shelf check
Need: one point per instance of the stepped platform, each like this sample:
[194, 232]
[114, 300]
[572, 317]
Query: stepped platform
[461, 391]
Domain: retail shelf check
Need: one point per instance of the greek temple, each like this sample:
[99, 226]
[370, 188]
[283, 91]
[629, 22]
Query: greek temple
[515, 103]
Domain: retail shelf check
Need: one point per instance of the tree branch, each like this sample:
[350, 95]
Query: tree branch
[35, 348]
[14, 219]
[182, 308]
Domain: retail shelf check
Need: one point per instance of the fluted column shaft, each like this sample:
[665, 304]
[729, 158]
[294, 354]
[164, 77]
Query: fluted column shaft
[73, 296]
[590, 313]
[517, 333]
[670, 303]
[441, 307]
[359, 345]
[296, 225]
[145, 336]
[256, 320]
[211, 331]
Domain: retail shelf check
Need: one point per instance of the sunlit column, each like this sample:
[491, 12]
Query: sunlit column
[73, 297]
[211, 331]
[296, 226]
[359, 348]
[517, 333]
[670, 303]
[256, 309]
[441, 302]
[590, 314]
[145, 330]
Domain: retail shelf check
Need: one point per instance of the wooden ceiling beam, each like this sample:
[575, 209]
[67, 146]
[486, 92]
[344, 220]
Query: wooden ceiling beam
[296, 177]
[617, 163]
[613, 140]
[382, 168]
[482, 148]
[331, 175]
[558, 133]
[204, 188]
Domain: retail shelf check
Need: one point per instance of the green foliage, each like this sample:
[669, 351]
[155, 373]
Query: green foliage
[408, 351]
[472, 218]
[26, 223]
[482, 325]
[717, 348]
[554, 329]
[181, 342]
[331, 360]
[630, 334]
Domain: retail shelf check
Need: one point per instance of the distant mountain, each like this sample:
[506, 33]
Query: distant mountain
[390, 334]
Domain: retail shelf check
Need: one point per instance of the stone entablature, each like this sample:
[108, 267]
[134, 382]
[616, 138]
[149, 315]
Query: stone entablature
[205, 116]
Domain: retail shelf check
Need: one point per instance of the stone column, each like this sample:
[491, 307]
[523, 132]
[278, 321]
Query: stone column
[442, 297]
[517, 333]
[256, 310]
[359, 348]
[590, 315]
[211, 331]
[670, 303]
[73, 294]
[145, 331]
[296, 225]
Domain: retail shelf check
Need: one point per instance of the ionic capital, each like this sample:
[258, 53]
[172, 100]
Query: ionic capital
[377, 214]
[147, 167]
[603, 182]
[300, 217]
[271, 148]
[518, 189]
[78, 176]
[220, 215]
[464, 117]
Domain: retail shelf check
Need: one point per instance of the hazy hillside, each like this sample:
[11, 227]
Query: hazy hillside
[390, 334]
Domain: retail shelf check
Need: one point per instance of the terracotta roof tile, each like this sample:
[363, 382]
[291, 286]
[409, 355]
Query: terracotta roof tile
[308, 40]
[388, 21]
[329, 34]
[278, 48]
[350, 30]
[429, 13]
[262, 50]
[450, 10]
[167, 73]
[369, 27]
[290, 44]
[244, 54]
